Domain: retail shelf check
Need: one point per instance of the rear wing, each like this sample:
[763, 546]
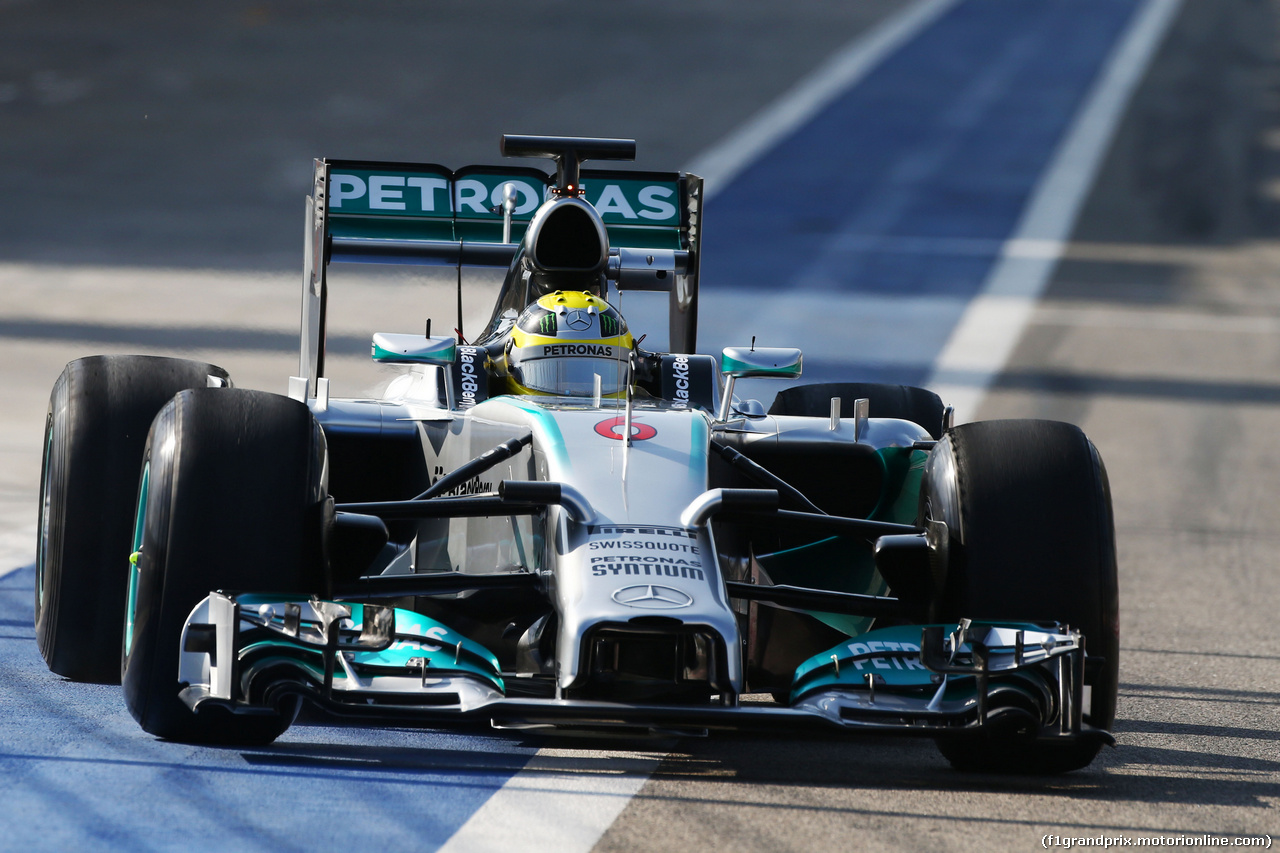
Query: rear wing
[411, 213]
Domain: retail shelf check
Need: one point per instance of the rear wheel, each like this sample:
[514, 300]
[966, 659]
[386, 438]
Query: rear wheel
[231, 499]
[95, 431]
[1036, 541]
[907, 402]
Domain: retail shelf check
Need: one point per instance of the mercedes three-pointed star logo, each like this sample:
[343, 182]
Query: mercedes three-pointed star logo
[578, 320]
[651, 597]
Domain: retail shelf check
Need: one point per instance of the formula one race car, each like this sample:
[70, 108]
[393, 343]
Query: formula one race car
[553, 527]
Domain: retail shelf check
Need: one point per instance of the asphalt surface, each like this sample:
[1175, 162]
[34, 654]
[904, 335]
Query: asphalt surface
[1158, 335]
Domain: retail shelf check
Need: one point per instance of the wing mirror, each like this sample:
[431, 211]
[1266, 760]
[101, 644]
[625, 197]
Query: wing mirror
[389, 348]
[756, 363]
[744, 363]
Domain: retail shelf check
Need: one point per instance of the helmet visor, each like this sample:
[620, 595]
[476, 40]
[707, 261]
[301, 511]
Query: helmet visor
[571, 377]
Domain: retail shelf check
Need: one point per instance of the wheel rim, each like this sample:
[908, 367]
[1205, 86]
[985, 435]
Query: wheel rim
[139, 525]
[46, 511]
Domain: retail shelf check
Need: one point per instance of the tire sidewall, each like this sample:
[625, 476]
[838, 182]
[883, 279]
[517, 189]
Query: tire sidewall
[191, 528]
[100, 410]
[142, 655]
[1031, 538]
[49, 536]
[1083, 595]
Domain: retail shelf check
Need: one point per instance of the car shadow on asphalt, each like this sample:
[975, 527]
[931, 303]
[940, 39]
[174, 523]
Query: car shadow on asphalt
[1130, 772]
[1136, 772]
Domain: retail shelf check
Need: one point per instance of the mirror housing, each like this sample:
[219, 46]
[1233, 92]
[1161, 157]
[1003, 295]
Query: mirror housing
[390, 348]
[755, 363]
[759, 362]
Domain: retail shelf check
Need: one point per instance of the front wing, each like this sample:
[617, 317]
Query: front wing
[251, 653]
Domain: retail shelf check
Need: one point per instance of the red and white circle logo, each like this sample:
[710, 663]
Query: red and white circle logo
[615, 428]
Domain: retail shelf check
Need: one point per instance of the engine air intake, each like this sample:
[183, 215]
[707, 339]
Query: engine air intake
[568, 236]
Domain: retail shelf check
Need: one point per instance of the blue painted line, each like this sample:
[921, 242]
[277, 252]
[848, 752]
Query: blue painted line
[74, 759]
[945, 141]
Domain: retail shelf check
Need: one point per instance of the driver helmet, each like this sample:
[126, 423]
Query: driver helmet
[562, 342]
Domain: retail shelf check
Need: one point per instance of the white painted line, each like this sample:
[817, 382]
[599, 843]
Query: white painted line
[17, 545]
[1159, 321]
[8, 567]
[561, 802]
[836, 327]
[993, 323]
[726, 160]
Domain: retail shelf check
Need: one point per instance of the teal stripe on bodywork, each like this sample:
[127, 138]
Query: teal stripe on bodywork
[838, 563]
[846, 563]
[442, 357]
[732, 365]
[555, 444]
[836, 669]
[900, 498]
[699, 441]
[416, 636]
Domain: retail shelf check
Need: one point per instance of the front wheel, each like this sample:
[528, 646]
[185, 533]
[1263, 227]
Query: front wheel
[230, 497]
[1028, 507]
[95, 432]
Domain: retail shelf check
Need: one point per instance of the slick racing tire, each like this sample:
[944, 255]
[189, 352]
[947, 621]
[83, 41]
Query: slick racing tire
[230, 498]
[918, 405]
[1036, 542]
[95, 431]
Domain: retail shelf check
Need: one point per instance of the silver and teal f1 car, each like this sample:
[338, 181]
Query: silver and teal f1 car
[551, 526]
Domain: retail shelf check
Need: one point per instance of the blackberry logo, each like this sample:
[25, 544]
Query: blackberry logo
[681, 371]
[468, 383]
